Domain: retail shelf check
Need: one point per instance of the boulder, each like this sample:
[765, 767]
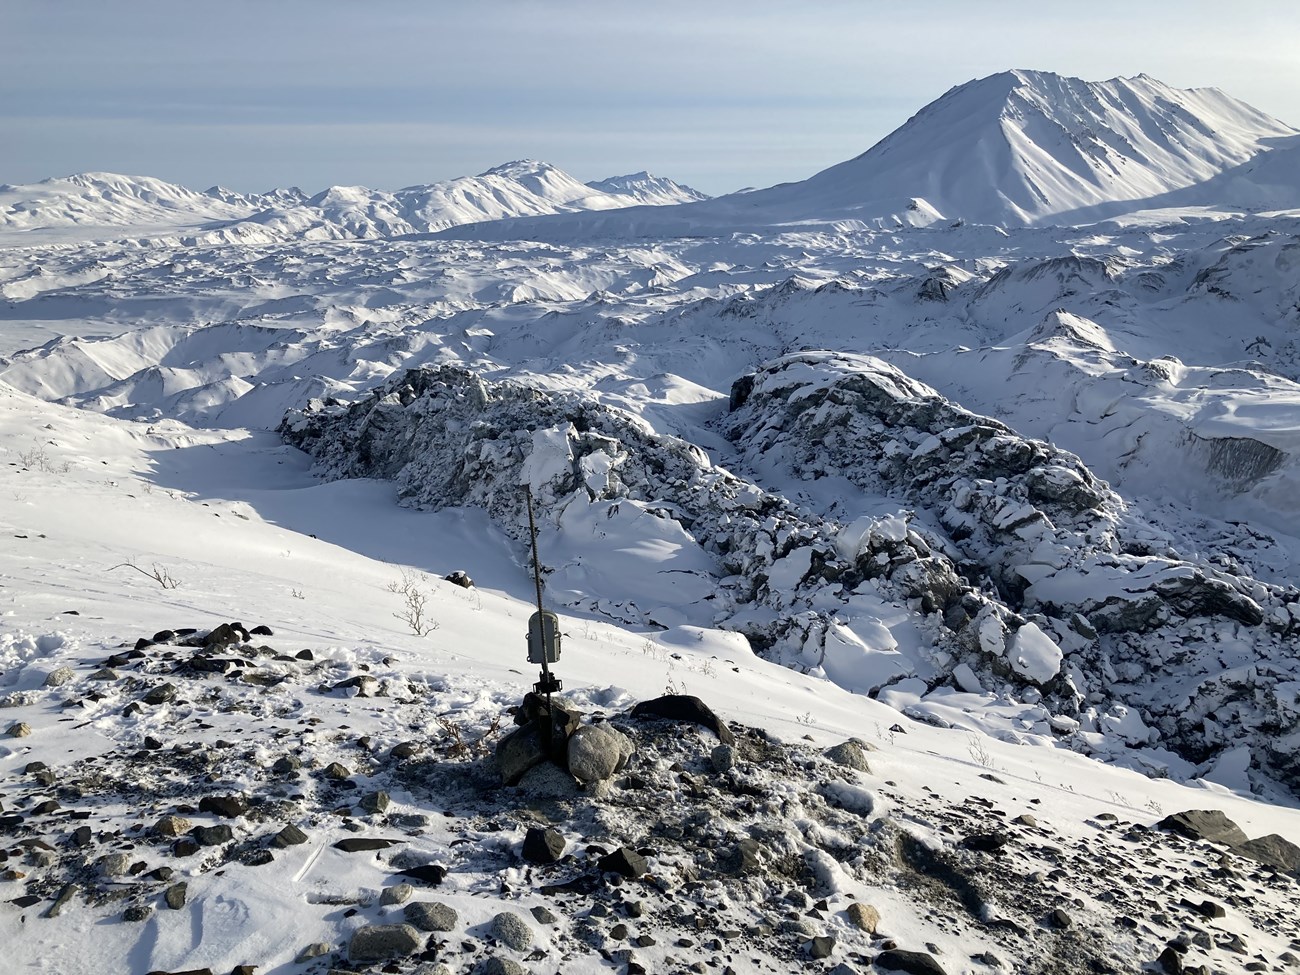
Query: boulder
[431, 916]
[595, 752]
[850, 754]
[379, 942]
[685, 707]
[1273, 851]
[543, 845]
[512, 931]
[1204, 824]
[864, 917]
[911, 962]
[625, 861]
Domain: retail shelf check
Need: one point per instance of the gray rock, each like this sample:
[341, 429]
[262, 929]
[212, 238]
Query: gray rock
[723, 758]
[172, 826]
[597, 751]
[379, 942]
[625, 861]
[512, 931]
[864, 917]
[911, 962]
[312, 951]
[161, 694]
[336, 771]
[397, 894]
[518, 752]
[685, 707]
[543, 845]
[175, 895]
[375, 802]
[137, 912]
[503, 966]
[1273, 851]
[113, 865]
[19, 729]
[228, 807]
[543, 915]
[549, 781]
[286, 764]
[291, 835]
[61, 676]
[850, 754]
[1204, 824]
[821, 947]
[431, 916]
[212, 835]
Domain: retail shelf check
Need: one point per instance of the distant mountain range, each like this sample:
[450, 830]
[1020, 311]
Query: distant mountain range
[523, 188]
[1019, 148]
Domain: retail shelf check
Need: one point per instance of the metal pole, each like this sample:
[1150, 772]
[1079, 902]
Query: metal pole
[541, 621]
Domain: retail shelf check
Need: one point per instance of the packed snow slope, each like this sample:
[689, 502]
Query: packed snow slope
[1020, 148]
[106, 204]
[181, 791]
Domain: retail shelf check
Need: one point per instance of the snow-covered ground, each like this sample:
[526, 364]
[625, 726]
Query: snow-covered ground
[1017, 506]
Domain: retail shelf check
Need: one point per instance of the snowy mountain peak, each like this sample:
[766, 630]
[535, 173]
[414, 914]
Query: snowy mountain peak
[520, 168]
[648, 188]
[1027, 147]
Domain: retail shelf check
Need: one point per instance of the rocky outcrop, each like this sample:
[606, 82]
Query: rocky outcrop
[1022, 568]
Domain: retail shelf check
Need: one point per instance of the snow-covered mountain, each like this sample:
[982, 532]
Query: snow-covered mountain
[1019, 148]
[649, 189]
[91, 202]
[1031, 147]
[95, 200]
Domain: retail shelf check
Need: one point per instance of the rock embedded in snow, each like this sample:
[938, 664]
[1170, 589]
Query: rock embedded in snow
[863, 917]
[596, 752]
[1033, 654]
[172, 826]
[290, 835]
[512, 931]
[543, 845]
[60, 676]
[910, 962]
[380, 942]
[850, 754]
[175, 895]
[431, 916]
[229, 807]
[396, 894]
[1204, 824]
[624, 861]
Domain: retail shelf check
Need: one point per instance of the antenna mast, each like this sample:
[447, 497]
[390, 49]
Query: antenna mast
[543, 632]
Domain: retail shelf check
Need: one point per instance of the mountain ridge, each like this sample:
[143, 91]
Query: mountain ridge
[1017, 148]
[522, 187]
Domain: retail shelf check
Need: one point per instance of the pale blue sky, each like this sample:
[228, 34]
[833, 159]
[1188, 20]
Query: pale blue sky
[719, 94]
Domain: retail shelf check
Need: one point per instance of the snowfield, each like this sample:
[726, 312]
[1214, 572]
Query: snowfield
[971, 510]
